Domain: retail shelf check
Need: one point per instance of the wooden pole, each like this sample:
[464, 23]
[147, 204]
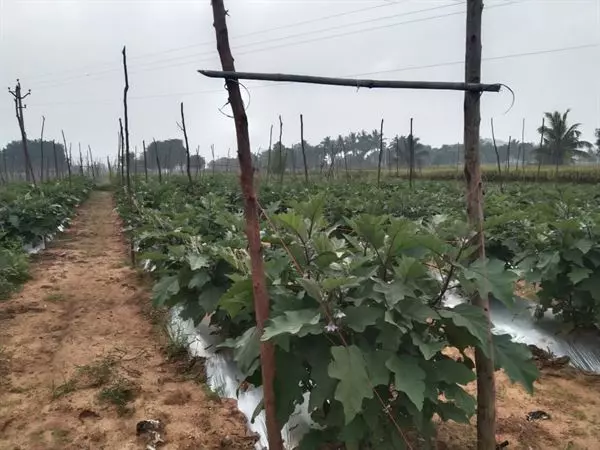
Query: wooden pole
[301, 145]
[91, 161]
[157, 160]
[281, 161]
[145, 161]
[42, 150]
[109, 168]
[67, 158]
[380, 154]
[261, 299]
[122, 151]
[269, 154]
[212, 151]
[411, 152]
[523, 142]
[187, 146]
[355, 83]
[497, 156]
[18, 97]
[508, 155]
[56, 172]
[80, 160]
[397, 157]
[486, 390]
[126, 117]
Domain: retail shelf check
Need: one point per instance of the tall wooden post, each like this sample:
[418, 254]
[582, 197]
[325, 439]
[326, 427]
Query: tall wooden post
[301, 145]
[145, 161]
[380, 154]
[126, 117]
[67, 156]
[21, 121]
[157, 160]
[281, 158]
[486, 390]
[261, 299]
[411, 152]
[42, 150]
[187, 146]
[56, 172]
[540, 154]
[268, 154]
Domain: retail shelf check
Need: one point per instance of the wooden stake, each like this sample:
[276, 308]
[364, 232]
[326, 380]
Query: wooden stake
[126, 117]
[157, 160]
[497, 156]
[261, 299]
[508, 155]
[486, 390]
[523, 143]
[122, 151]
[18, 97]
[56, 172]
[411, 152]
[269, 154]
[380, 154]
[301, 145]
[145, 161]
[68, 159]
[80, 160]
[42, 150]
[281, 161]
[187, 145]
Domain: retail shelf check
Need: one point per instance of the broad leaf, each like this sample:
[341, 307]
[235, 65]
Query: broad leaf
[408, 378]
[349, 367]
[515, 359]
[301, 323]
[451, 371]
[311, 288]
[430, 348]
[491, 277]
[578, 274]
[198, 261]
[164, 289]
[473, 319]
[360, 317]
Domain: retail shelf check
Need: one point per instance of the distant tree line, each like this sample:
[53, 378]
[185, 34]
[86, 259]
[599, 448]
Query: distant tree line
[12, 160]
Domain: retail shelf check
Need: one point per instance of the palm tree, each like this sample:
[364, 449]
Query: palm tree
[561, 143]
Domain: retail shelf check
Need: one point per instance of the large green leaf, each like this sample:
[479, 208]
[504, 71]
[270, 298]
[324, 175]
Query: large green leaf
[238, 297]
[198, 261]
[164, 289]
[360, 317]
[300, 323]
[578, 274]
[451, 371]
[429, 348]
[408, 378]
[312, 288]
[515, 359]
[246, 350]
[491, 277]
[349, 367]
[472, 319]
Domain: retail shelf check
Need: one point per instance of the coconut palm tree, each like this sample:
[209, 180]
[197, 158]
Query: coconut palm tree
[561, 142]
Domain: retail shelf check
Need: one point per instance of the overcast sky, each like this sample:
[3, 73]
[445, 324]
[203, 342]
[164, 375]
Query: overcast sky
[69, 54]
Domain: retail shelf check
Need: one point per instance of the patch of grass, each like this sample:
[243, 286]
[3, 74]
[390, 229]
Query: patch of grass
[63, 389]
[119, 393]
[99, 372]
[210, 394]
[176, 348]
[54, 297]
[579, 415]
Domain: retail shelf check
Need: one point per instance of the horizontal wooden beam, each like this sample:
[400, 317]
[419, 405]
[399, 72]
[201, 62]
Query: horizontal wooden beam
[357, 83]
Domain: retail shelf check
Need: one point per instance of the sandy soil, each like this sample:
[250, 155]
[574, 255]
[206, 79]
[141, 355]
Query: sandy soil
[570, 397]
[81, 360]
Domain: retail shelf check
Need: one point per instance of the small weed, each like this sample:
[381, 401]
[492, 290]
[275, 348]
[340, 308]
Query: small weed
[119, 393]
[54, 297]
[579, 415]
[63, 389]
[176, 347]
[210, 394]
[98, 373]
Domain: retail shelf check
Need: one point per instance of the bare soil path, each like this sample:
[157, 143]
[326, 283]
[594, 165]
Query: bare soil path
[81, 361]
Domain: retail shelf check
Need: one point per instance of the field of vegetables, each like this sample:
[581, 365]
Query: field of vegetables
[367, 268]
[28, 216]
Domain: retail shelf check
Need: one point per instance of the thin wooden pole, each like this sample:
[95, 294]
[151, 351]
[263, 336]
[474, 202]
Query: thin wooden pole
[486, 390]
[145, 160]
[301, 145]
[355, 83]
[261, 299]
[122, 151]
[523, 142]
[18, 97]
[42, 150]
[109, 168]
[411, 149]
[187, 145]
[508, 156]
[269, 154]
[281, 161]
[80, 160]
[380, 154]
[67, 158]
[126, 117]
[397, 157]
[497, 156]
[157, 160]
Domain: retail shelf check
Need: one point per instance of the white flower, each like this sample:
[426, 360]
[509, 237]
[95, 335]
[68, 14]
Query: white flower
[338, 315]
[331, 327]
